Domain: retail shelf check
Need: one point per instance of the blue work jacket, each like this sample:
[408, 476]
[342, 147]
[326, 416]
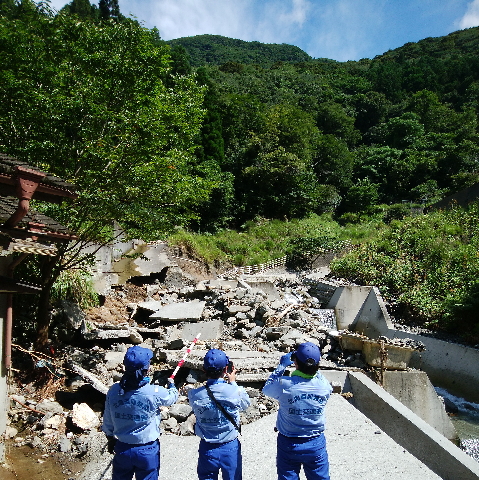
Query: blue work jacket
[211, 424]
[134, 417]
[301, 402]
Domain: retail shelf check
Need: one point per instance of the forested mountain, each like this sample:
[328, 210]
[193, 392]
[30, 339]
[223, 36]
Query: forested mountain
[216, 50]
[273, 132]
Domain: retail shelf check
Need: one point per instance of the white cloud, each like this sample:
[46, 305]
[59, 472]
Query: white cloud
[471, 17]
[344, 28]
[272, 21]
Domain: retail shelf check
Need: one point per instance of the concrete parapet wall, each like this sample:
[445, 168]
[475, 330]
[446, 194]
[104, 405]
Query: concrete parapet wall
[448, 365]
[414, 390]
[346, 302]
[372, 319]
[410, 431]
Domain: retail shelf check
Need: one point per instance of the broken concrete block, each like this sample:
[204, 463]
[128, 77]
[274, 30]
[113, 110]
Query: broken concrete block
[275, 333]
[151, 305]
[234, 309]
[296, 336]
[180, 312]
[113, 359]
[84, 417]
[267, 288]
[106, 334]
[135, 337]
[209, 330]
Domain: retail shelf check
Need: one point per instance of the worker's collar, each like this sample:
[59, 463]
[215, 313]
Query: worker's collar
[298, 373]
[212, 381]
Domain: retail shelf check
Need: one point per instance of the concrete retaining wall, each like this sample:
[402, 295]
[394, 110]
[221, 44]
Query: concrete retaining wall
[414, 390]
[346, 302]
[410, 431]
[448, 365]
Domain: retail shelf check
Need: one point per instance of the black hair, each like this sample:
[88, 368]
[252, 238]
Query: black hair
[308, 367]
[214, 373]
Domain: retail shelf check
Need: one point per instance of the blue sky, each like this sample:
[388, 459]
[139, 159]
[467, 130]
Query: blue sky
[337, 29]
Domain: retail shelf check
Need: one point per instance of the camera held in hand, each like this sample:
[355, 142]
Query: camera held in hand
[230, 367]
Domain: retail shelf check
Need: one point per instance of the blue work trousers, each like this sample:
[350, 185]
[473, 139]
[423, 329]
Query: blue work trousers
[296, 451]
[213, 457]
[141, 460]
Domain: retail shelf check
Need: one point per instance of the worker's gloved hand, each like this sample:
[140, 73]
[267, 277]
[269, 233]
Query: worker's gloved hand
[171, 383]
[111, 444]
[286, 360]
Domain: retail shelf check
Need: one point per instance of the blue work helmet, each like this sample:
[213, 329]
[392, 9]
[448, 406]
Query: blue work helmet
[137, 358]
[215, 360]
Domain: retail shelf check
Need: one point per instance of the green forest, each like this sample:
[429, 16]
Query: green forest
[206, 135]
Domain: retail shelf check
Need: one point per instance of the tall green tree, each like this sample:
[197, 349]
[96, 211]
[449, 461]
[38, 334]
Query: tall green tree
[87, 102]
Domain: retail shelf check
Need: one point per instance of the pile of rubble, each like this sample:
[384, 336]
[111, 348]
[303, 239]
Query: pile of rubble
[254, 321]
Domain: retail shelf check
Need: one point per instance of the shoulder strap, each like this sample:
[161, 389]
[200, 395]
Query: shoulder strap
[223, 410]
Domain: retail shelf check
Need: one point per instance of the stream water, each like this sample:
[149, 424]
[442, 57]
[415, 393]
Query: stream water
[466, 420]
[26, 463]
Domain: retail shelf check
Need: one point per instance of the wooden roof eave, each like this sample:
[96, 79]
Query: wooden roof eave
[43, 192]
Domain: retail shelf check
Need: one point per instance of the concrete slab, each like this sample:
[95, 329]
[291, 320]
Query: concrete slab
[268, 288]
[155, 259]
[244, 360]
[217, 284]
[180, 312]
[409, 430]
[150, 305]
[209, 330]
[106, 334]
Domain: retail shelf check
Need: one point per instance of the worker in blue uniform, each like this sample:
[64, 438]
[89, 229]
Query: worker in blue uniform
[300, 421]
[216, 407]
[131, 420]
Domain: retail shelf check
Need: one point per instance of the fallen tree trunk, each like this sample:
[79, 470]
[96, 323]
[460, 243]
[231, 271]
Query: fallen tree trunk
[92, 379]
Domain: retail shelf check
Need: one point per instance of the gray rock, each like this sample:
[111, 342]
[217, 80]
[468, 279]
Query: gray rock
[180, 411]
[169, 423]
[193, 376]
[47, 406]
[10, 432]
[188, 427]
[64, 445]
[177, 344]
[36, 442]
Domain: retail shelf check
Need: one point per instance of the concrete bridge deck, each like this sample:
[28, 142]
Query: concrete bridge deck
[357, 448]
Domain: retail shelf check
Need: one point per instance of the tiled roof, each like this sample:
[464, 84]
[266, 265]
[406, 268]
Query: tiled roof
[8, 205]
[8, 164]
